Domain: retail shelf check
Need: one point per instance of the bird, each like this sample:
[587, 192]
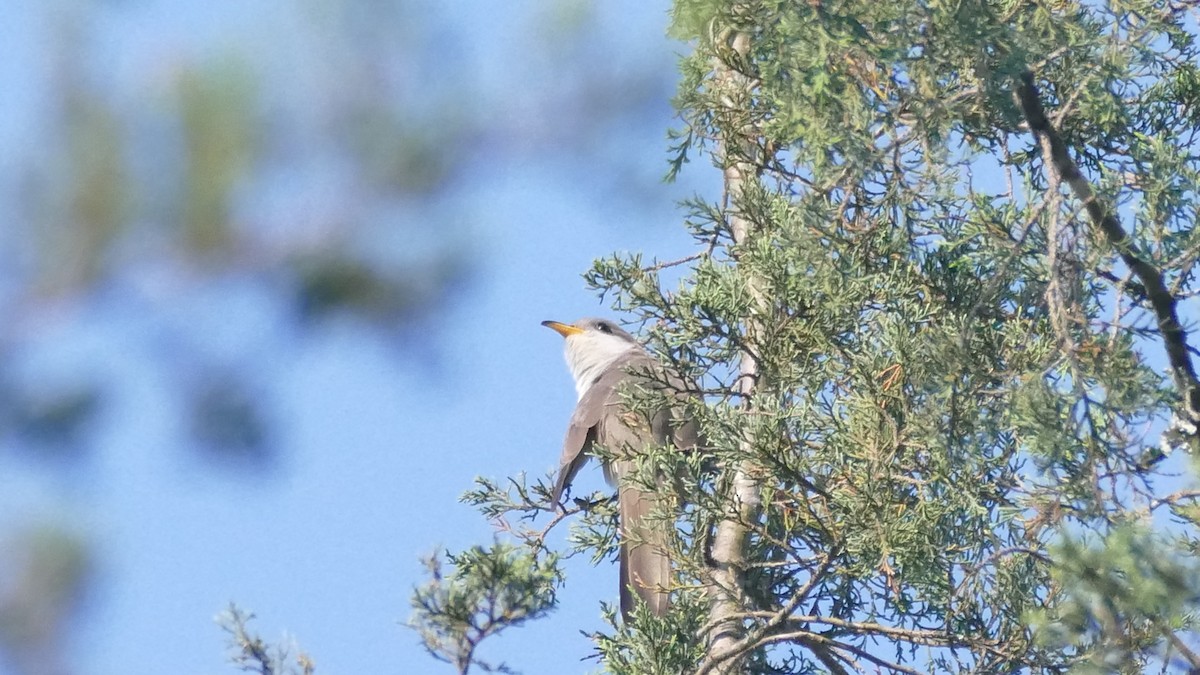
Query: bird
[602, 357]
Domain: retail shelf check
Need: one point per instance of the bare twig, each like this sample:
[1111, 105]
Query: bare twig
[1173, 498]
[682, 261]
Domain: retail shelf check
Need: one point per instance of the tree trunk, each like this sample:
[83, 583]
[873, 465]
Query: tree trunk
[726, 645]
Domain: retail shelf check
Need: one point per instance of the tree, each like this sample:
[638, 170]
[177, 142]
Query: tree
[930, 315]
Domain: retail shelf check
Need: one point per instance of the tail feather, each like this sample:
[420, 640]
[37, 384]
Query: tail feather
[645, 567]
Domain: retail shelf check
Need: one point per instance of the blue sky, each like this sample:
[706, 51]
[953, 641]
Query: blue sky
[376, 443]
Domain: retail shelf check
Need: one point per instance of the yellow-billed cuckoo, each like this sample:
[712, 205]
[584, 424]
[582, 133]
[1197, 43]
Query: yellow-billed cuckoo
[601, 358]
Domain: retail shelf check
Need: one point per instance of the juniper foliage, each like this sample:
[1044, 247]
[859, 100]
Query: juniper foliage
[956, 244]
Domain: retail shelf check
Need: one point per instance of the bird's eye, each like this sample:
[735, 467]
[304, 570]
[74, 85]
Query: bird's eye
[603, 328]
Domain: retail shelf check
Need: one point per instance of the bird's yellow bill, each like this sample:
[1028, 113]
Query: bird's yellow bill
[563, 329]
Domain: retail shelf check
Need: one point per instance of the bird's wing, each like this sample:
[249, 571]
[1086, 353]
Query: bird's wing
[581, 432]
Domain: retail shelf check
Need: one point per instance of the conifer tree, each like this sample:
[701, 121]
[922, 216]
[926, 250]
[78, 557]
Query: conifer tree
[939, 320]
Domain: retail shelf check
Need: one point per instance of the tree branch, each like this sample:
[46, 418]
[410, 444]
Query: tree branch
[1058, 161]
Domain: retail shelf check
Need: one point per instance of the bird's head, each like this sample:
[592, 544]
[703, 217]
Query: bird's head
[592, 345]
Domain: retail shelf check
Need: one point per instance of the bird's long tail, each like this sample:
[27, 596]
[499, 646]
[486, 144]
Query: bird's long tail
[645, 566]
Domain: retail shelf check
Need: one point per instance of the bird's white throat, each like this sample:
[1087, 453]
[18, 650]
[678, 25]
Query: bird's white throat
[590, 354]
